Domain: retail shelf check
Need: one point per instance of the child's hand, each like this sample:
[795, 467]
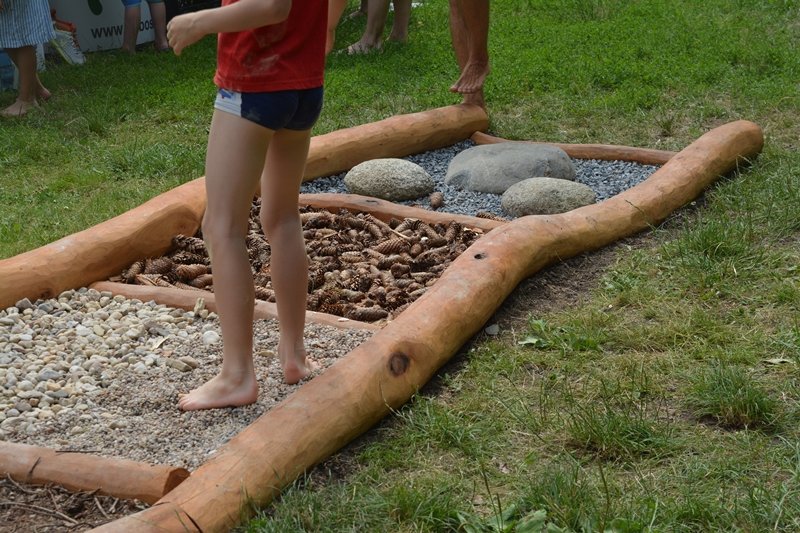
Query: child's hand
[183, 31]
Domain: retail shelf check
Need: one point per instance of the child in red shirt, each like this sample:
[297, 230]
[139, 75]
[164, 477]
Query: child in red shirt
[270, 65]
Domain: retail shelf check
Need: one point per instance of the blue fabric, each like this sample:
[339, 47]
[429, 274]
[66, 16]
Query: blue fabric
[25, 23]
[293, 110]
[131, 3]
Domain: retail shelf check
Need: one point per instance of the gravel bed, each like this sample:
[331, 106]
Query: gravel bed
[606, 178]
[101, 374]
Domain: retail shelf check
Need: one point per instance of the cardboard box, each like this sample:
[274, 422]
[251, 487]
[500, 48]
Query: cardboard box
[99, 23]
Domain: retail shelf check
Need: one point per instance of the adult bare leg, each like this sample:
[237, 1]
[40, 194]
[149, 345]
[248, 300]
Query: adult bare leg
[234, 162]
[377, 12]
[402, 16]
[469, 29]
[130, 32]
[280, 220]
[30, 88]
[159, 13]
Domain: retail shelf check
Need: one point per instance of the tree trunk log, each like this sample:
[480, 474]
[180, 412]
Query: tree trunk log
[120, 478]
[385, 210]
[604, 152]
[186, 299]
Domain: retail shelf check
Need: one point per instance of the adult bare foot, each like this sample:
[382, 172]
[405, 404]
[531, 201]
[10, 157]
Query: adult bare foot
[19, 108]
[219, 392]
[471, 79]
[398, 37]
[295, 365]
[363, 47]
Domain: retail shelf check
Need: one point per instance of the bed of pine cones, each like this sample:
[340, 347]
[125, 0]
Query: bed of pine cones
[360, 267]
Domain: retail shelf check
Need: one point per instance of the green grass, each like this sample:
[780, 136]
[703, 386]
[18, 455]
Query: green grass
[666, 399]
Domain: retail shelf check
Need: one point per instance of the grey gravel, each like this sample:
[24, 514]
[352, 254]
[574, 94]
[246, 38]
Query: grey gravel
[606, 178]
[101, 374]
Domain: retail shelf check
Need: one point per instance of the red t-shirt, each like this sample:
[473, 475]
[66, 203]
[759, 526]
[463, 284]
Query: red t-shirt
[285, 56]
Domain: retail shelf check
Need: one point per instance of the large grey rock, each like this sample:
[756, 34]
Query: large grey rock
[493, 168]
[390, 179]
[546, 196]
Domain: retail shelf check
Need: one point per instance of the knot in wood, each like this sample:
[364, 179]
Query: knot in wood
[399, 363]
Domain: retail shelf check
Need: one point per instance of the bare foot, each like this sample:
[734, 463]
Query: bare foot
[295, 365]
[19, 108]
[398, 36]
[472, 78]
[219, 392]
[42, 93]
[363, 47]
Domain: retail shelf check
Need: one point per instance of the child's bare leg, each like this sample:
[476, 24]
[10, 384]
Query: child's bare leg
[280, 219]
[469, 27]
[377, 13]
[130, 33]
[24, 58]
[402, 16]
[234, 161]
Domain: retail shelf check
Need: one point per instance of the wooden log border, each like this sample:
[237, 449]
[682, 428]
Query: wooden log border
[76, 471]
[604, 152]
[385, 371]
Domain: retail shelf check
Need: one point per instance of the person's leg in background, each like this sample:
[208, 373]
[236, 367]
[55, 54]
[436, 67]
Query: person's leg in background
[371, 39]
[402, 16]
[31, 89]
[159, 13]
[469, 28]
[130, 30]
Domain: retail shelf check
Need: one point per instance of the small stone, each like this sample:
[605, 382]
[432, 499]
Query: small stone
[24, 304]
[190, 361]
[494, 329]
[177, 364]
[210, 337]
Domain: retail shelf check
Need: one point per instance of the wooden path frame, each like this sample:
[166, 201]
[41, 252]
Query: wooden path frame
[385, 371]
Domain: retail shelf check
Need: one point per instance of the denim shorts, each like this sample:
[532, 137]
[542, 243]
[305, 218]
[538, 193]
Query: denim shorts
[292, 110]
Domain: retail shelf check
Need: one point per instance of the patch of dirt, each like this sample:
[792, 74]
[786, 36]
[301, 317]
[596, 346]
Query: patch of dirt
[53, 509]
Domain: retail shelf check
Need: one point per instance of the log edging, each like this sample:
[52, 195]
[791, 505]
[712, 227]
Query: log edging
[385, 210]
[604, 152]
[78, 471]
[387, 369]
[186, 299]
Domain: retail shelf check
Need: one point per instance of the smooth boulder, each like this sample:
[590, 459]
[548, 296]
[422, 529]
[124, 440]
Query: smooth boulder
[389, 179]
[493, 168]
[546, 196]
